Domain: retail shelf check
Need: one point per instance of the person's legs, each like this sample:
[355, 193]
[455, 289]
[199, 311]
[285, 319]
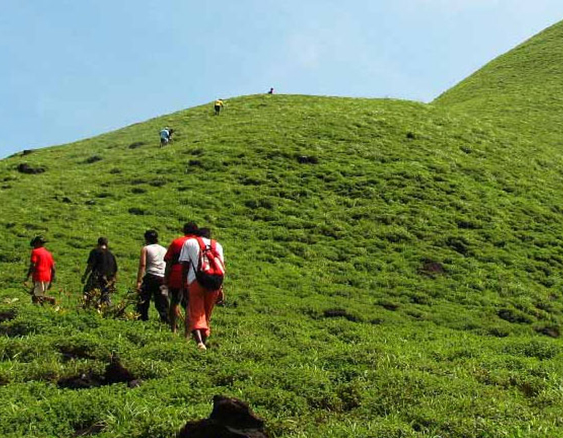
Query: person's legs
[144, 301]
[210, 298]
[174, 310]
[38, 292]
[196, 311]
[199, 338]
[160, 300]
[106, 289]
[88, 291]
[185, 301]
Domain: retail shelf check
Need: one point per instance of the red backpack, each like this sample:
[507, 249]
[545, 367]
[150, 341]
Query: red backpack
[210, 270]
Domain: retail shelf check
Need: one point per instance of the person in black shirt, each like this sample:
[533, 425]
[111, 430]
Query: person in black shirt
[100, 275]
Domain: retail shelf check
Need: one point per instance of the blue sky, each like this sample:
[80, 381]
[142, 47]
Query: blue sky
[73, 69]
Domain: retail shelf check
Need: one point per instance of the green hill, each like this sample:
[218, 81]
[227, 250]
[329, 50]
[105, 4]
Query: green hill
[521, 89]
[393, 272]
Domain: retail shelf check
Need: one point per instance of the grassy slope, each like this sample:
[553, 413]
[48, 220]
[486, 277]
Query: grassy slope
[416, 356]
[393, 186]
[521, 90]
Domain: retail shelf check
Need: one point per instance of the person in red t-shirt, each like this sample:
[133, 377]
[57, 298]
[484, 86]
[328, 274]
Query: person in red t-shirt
[173, 275]
[42, 271]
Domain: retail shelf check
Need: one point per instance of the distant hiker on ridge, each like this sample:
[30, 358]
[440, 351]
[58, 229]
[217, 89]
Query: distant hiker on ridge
[203, 271]
[42, 271]
[101, 274]
[218, 106]
[271, 91]
[166, 136]
[173, 277]
[150, 278]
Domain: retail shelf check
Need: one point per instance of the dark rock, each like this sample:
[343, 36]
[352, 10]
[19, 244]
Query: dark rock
[340, 313]
[305, 159]
[117, 373]
[27, 152]
[64, 199]
[136, 211]
[7, 315]
[230, 418]
[431, 268]
[114, 373]
[390, 306]
[411, 135]
[458, 244]
[93, 159]
[82, 381]
[26, 168]
[552, 332]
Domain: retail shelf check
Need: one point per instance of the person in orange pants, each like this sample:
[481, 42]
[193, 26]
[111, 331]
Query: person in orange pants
[200, 306]
[197, 255]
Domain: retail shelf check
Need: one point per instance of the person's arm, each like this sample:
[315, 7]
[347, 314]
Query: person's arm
[29, 272]
[53, 276]
[221, 296]
[167, 270]
[32, 262]
[185, 271]
[186, 260]
[116, 267]
[89, 266]
[87, 271]
[168, 267]
[142, 267]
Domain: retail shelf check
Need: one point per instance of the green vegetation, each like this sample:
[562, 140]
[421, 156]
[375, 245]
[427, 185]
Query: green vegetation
[393, 270]
[521, 90]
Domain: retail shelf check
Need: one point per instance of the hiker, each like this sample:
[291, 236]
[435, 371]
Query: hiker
[173, 277]
[271, 91]
[150, 278]
[219, 104]
[42, 271]
[203, 271]
[206, 233]
[166, 136]
[100, 274]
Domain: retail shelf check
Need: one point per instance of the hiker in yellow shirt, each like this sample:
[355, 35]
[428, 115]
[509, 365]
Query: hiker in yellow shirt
[218, 106]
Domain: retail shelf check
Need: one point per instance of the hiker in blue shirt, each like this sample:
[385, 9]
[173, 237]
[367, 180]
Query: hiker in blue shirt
[165, 136]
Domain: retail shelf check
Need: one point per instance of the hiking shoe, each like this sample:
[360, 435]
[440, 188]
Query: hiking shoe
[201, 346]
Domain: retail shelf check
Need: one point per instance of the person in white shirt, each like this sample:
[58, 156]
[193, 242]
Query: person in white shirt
[200, 300]
[150, 278]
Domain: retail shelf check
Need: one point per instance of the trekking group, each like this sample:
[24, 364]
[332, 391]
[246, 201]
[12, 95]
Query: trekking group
[189, 273]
